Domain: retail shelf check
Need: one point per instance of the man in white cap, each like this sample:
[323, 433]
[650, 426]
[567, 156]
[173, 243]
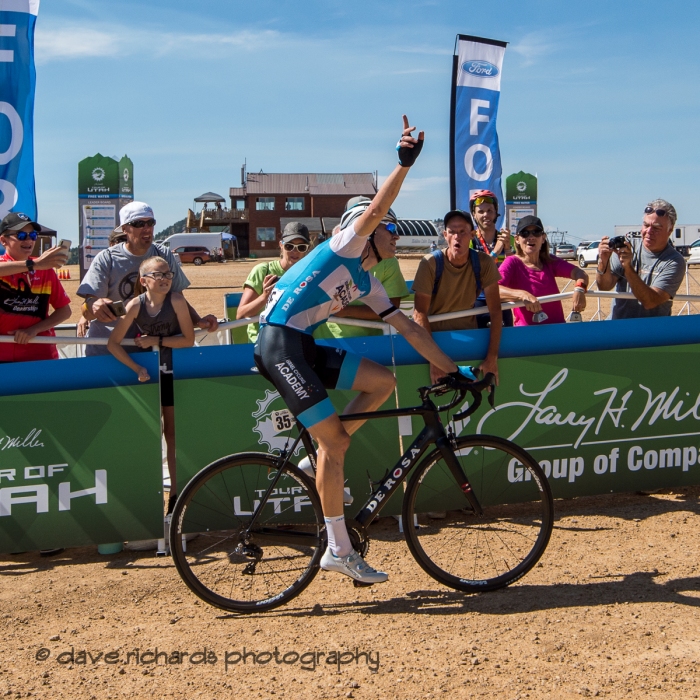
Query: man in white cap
[113, 274]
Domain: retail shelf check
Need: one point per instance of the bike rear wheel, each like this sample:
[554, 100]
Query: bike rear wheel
[471, 552]
[232, 565]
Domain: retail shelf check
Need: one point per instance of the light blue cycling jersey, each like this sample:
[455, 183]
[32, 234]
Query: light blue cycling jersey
[323, 283]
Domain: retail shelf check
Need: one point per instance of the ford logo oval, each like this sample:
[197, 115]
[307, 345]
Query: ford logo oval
[483, 69]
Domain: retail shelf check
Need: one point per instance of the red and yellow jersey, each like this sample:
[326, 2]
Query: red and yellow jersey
[25, 299]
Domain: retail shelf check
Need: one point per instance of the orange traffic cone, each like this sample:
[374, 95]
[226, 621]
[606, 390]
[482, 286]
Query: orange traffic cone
[67, 274]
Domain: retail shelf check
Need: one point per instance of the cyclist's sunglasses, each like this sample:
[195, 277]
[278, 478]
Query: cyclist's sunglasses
[658, 212]
[301, 247]
[390, 227]
[23, 235]
[140, 223]
[484, 200]
[160, 275]
[531, 232]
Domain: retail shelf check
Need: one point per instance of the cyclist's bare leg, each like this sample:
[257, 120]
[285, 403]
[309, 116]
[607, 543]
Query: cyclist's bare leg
[333, 442]
[375, 384]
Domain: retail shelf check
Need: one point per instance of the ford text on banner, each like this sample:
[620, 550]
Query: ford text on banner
[475, 160]
[17, 81]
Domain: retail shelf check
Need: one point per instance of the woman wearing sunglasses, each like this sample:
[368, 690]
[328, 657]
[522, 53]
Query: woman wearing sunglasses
[295, 244]
[28, 287]
[532, 273]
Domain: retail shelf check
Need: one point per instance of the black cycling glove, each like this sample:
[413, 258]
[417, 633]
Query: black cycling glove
[407, 156]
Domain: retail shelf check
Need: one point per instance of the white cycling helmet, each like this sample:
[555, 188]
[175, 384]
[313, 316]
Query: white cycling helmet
[357, 206]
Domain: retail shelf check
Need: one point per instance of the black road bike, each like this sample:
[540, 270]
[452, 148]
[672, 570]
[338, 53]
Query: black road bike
[260, 528]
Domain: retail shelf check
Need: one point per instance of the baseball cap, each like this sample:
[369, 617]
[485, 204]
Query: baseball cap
[458, 212]
[295, 229]
[529, 221]
[133, 211]
[16, 221]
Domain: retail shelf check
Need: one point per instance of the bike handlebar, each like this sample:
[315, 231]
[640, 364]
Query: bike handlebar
[462, 387]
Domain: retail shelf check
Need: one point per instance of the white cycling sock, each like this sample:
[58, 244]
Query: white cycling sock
[338, 538]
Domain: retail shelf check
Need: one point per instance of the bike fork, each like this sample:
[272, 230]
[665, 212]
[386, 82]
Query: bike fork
[445, 446]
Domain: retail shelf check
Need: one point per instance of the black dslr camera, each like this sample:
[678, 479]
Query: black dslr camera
[617, 242]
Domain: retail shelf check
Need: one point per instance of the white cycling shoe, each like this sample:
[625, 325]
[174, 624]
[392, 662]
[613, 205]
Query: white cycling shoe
[308, 469]
[353, 566]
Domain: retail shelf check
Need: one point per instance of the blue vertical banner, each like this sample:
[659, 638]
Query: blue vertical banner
[17, 82]
[475, 159]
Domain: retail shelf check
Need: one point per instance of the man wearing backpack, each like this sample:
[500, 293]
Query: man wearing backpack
[452, 280]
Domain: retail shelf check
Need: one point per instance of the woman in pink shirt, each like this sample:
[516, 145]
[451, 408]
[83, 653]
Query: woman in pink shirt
[532, 273]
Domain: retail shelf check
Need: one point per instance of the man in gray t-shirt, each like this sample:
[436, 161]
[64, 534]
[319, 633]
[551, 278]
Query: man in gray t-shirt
[650, 268]
[114, 272]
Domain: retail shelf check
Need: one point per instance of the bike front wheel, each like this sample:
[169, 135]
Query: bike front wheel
[232, 563]
[479, 552]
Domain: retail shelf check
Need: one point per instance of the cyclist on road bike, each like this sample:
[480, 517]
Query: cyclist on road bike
[324, 282]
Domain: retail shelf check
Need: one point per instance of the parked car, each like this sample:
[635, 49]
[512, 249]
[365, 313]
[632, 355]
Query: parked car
[694, 250]
[193, 254]
[588, 255]
[581, 246]
[565, 251]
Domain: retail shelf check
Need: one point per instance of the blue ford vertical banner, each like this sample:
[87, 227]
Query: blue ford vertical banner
[17, 81]
[475, 159]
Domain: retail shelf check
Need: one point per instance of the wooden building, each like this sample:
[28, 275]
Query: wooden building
[267, 201]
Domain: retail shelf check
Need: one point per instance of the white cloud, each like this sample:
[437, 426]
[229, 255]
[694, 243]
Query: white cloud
[82, 41]
[534, 46]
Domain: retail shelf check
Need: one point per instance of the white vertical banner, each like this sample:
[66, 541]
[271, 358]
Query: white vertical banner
[475, 158]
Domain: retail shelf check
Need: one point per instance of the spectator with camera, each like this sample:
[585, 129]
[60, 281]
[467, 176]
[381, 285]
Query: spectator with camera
[29, 288]
[112, 276]
[649, 267]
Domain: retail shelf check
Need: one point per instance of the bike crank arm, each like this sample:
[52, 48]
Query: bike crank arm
[445, 447]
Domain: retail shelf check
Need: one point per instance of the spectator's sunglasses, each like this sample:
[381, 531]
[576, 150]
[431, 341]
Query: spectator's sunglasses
[531, 232]
[484, 200]
[140, 223]
[160, 275]
[23, 235]
[658, 212]
[301, 247]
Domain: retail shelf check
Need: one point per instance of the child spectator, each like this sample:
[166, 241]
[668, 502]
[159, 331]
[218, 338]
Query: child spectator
[28, 286]
[159, 315]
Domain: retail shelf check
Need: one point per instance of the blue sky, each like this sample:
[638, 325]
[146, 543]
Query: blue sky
[600, 99]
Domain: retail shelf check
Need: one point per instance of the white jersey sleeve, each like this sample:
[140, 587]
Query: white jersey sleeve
[347, 244]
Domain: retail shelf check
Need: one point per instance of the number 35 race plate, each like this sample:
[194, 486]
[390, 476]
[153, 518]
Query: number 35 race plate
[282, 420]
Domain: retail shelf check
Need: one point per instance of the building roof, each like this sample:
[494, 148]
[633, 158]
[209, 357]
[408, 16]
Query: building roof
[346, 184]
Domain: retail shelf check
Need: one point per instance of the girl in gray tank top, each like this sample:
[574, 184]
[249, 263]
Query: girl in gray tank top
[159, 315]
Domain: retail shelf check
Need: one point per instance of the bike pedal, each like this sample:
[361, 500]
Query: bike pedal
[360, 584]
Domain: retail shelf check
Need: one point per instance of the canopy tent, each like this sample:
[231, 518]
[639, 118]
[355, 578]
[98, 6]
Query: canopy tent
[209, 197]
[228, 237]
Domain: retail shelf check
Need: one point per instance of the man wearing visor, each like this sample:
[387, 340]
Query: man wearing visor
[323, 283]
[649, 267]
[28, 287]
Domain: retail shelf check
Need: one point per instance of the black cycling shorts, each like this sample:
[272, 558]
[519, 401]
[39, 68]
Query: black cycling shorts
[302, 371]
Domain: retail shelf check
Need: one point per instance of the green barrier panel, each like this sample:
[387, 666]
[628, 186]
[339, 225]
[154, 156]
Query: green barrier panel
[221, 416]
[598, 422]
[82, 466]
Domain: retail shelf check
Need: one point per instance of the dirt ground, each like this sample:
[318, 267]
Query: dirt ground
[611, 611]
[211, 281]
